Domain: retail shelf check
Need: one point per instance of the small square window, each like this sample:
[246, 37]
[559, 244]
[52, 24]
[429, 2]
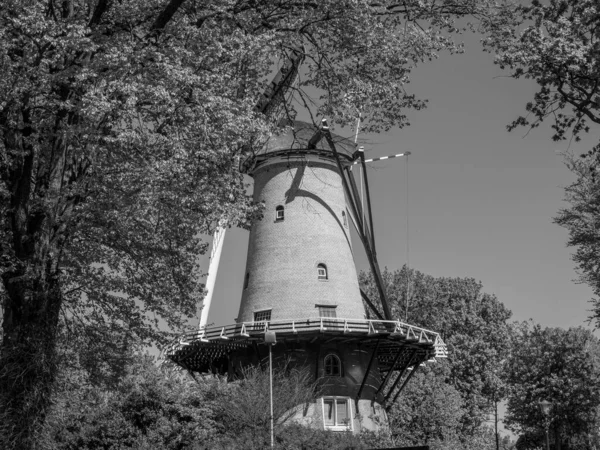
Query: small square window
[322, 272]
[327, 311]
[279, 213]
[262, 316]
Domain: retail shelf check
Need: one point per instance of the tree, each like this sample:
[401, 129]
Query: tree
[473, 324]
[151, 407]
[429, 410]
[560, 366]
[557, 43]
[161, 407]
[580, 218]
[121, 128]
[247, 405]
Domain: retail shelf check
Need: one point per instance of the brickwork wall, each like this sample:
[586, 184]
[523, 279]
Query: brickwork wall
[283, 255]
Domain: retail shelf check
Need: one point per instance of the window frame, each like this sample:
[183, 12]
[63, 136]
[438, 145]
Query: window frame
[340, 369]
[328, 312]
[279, 209]
[325, 275]
[328, 308]
[262, 311]
[349, 426]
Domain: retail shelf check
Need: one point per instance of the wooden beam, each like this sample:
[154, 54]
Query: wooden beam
[389, 374]
[366, 244]
[312, 143]
[317, 363]
[370, 212]
[410, 375]
[368, 371]
[366, 237]
[397, 380]
[355, 197]
[371, 305]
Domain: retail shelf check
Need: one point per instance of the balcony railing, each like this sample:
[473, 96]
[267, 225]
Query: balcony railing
[240, 332]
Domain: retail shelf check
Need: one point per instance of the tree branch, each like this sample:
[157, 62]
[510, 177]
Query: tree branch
[101, 7]
[165, 16]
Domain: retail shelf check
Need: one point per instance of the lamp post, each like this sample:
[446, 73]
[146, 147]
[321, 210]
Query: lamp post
[545, 407]
[271, 340]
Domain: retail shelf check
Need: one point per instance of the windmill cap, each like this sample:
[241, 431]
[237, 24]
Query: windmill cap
[305, 136]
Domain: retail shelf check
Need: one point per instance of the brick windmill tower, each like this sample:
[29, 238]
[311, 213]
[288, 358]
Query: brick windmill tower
[301, 283]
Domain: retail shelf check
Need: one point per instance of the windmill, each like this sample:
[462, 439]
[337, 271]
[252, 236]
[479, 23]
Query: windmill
[301, 283]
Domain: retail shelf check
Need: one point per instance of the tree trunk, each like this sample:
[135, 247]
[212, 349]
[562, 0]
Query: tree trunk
[28, 366]
[31, 298]
[557, 438]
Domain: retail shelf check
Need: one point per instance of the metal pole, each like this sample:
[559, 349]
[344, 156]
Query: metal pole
[407, 243]
[496, 425]
[271, 389]
[270, 340]
[547, 439]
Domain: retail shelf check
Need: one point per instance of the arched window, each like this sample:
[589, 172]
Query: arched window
[322, 272]
[333, 366]
[345, 221]
[279, 213]
[246, 280]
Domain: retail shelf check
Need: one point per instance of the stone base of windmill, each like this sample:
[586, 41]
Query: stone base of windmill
[359, 365]
[347, 375]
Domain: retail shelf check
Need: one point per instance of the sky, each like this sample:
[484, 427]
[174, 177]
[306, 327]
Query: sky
[480, 199]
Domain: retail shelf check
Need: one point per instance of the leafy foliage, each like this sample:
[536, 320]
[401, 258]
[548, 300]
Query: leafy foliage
[428, 410]
[556, 43]
[560, 366]
[247, 406]
[473, 324]
[580, 218]
[149, 408]
[161, 407]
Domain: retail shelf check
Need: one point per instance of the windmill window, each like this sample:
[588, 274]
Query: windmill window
[332, 366]
[246, 280]
[326, 311]
[262, 316]
[337, 414]
[322, 272]
[329, 311]
[279, 213]
[344, 219]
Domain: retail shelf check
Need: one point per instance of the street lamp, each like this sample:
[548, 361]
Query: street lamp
[545, 407]
[271, 340]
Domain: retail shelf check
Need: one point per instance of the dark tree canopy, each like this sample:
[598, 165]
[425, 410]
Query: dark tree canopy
[557, 44]
[562, 367]
[473, 324]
